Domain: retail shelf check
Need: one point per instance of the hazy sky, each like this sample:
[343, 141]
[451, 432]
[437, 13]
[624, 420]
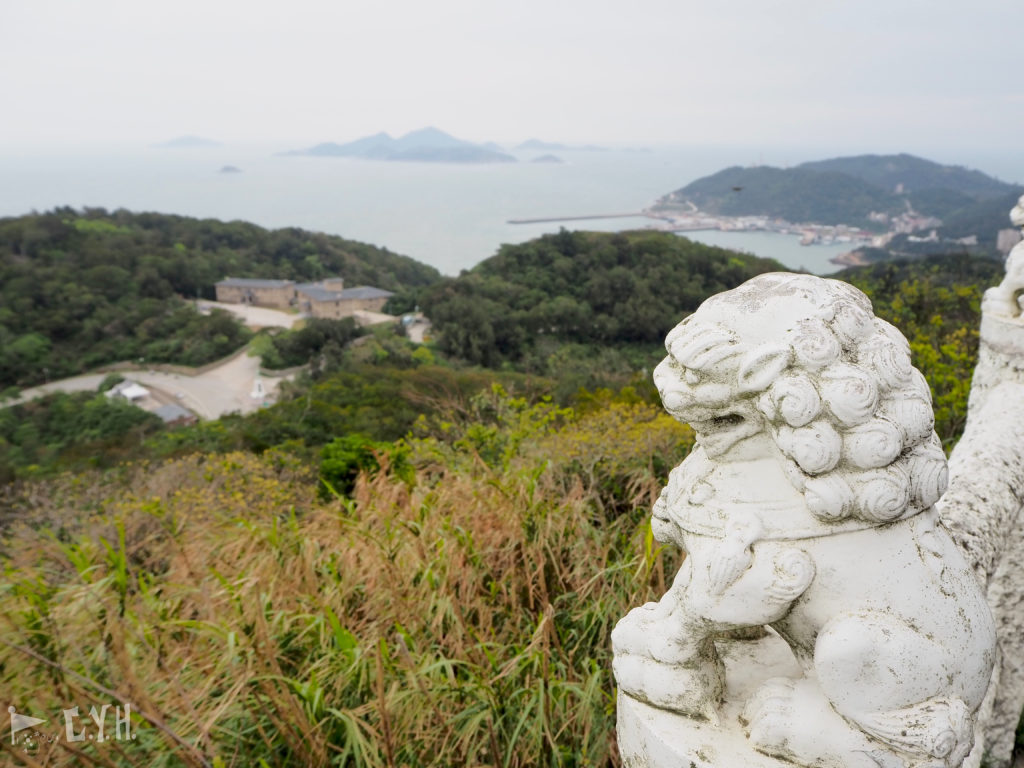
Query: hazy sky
[869, 74]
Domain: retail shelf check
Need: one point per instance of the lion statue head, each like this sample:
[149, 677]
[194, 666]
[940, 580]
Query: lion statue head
[803, 360]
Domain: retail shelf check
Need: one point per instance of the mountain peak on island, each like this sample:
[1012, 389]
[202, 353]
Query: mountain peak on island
[841, 189]
[887, 199]
[430, 144]
[908, 173]
[430, 136]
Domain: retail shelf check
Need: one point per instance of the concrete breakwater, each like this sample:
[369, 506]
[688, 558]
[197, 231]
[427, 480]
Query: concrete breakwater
[549, 219]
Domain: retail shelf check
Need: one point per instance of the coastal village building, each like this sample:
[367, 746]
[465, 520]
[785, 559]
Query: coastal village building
[1006, 239]
[326, 298]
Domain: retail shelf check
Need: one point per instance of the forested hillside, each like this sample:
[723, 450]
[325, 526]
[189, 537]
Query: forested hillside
[845, 190]
[914, 174]
[585, 288]
[407, 561]
[83, 288]
[794, 194]
[936, 303]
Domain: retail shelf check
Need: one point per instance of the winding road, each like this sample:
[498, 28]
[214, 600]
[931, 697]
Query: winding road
[224, 389]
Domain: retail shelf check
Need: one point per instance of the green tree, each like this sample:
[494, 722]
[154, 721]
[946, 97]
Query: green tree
[342, 459]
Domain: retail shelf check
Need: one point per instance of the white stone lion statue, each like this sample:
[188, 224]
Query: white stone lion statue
[808, 506]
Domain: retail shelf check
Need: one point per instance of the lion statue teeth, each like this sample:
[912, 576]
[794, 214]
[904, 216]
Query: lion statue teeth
[808, 506]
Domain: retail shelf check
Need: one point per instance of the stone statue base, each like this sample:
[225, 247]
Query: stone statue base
[656, 738]
[652, 738]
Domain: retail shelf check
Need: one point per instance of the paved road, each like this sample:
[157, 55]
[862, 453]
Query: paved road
[418, 331]
[222, 390]
[255, 317]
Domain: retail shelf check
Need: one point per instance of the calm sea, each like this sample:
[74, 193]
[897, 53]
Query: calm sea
[449, 216]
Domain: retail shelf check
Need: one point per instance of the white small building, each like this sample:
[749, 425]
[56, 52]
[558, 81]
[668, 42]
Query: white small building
[129, 390]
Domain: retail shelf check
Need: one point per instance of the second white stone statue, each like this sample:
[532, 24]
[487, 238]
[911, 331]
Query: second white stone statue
[808, 507]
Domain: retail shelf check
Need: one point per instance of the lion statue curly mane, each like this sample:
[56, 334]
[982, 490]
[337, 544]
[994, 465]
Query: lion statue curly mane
[837, 393]
[808, 506]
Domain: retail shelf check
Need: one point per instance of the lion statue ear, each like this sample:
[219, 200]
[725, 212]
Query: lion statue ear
[762, 365]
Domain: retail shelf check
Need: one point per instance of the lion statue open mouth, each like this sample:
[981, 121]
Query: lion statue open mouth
[808, 506]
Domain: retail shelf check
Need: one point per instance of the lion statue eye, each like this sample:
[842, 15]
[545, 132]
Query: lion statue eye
[691, 376]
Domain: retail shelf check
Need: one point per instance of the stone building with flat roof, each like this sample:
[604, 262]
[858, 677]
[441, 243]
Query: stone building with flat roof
[315, 300]
[279, 294]
[327, 298]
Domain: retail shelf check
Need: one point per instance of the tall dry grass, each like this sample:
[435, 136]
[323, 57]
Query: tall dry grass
[462, 619]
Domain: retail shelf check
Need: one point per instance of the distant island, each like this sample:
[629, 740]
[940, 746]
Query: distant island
[230, 169]
[891, 205]
[187, 142]
[427, 145]
[550, 146]
[547, 159]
